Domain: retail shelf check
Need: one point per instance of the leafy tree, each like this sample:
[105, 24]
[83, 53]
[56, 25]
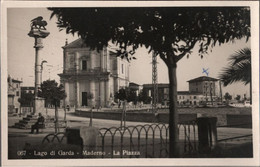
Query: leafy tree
[238, 98]
[26, 99]
[143, 96]
[126, 94]
[169, 32]
[132, 96]
[121, 94]
[227, 97]
[51, 91]
[239, 69]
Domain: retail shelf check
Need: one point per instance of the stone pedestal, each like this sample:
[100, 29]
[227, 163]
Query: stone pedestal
[84, 136]
[39, 105]
[207, 133]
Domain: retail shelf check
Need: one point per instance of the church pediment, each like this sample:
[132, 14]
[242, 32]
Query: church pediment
[79, 43]
[76, 44]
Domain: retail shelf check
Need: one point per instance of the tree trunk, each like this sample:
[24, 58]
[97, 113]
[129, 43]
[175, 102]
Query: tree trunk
[56, 118]
[250, 92]
[65, 112]
[173, 113]
[91, 117]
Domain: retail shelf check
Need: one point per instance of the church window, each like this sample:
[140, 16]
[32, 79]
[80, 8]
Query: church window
[122, 68]
[71, 61]
[84, 65]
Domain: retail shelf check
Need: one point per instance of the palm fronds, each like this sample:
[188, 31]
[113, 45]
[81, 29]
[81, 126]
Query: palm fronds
[239, 68]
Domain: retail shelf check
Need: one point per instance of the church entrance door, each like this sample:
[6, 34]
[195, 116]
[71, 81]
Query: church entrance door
[84, 99]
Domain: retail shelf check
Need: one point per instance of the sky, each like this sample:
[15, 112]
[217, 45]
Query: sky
[21, 55]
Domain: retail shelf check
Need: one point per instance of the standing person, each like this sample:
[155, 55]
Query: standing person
[68, 108]
[38, 124]
[119, 103]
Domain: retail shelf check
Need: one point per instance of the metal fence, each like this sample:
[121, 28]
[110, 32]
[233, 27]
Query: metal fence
[55, 138]
[141, 141]
[150, 140]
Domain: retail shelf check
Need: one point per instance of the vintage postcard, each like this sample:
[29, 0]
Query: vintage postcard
[138, 83]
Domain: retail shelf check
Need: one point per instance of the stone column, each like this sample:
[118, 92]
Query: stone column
[102, 93]
[38, 47]
[92, 61]
[38, 34]
[78, 94]
[108, 65]
[77, 61]
[92, 90]
[76, 64]
[105, 58]
[67, 90]
[102, 60]
[107, 92]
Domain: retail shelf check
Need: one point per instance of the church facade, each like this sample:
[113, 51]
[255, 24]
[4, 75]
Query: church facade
[92, 77]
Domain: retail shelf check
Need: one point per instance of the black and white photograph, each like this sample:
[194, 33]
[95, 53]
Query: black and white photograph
[151, 83]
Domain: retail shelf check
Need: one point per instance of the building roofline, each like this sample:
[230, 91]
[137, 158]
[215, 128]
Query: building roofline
[135, 84]
[27, 87]
[203, 78]
[70, 45]
[15, 80]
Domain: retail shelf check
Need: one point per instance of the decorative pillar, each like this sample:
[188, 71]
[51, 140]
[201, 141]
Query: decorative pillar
[92, 61]
[102, 61]
[107, 93]
[38, 32]
[92, 90]
[67, 90]
[76, 68]
[108, 65]
[102, 93]
[78, 94]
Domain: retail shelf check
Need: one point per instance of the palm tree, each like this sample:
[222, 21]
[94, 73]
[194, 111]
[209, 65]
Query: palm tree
[239, 69]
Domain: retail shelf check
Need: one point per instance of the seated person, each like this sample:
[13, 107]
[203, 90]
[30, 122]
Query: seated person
[38, 124]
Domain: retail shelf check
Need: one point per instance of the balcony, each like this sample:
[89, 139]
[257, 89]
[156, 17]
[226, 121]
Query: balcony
[90, 73]
[11, 92]
[95, 70]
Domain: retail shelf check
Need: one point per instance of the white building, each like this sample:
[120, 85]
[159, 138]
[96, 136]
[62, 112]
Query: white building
[14, 93]
[201, 90]
[90, 77]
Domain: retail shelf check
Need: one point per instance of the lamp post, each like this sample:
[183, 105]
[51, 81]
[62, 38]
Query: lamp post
[49, 69]
[44, 61]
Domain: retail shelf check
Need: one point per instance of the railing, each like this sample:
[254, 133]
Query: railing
[190, 137]
[141, 141]
[54, 138]
[90, 70]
